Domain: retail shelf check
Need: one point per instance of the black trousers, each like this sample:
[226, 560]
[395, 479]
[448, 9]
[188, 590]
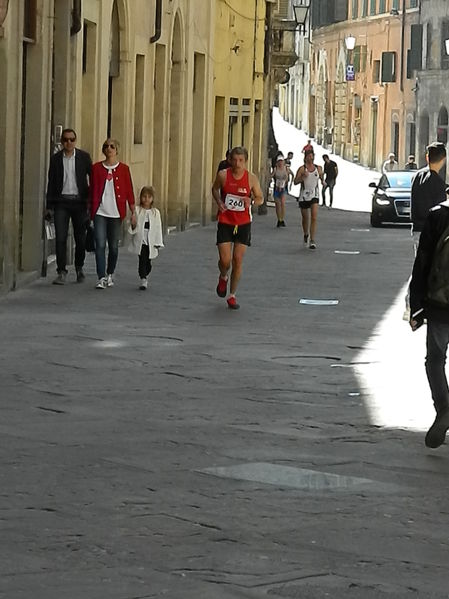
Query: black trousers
[63, 212]
[144, 261]
[437, 343]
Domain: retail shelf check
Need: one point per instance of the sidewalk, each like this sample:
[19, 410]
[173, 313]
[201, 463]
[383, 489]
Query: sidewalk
[158, 444]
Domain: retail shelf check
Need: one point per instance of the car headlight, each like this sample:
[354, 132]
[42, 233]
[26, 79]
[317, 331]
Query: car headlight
[383, 201]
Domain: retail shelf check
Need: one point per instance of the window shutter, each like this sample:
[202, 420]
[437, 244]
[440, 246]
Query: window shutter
[416, 38]
[388, 67]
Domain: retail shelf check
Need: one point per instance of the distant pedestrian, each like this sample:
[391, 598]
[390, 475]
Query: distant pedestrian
[146, 234]
[67, 199]
[280, 175]
[110, 191]
[224, 164]
[234, 190]
[291, 176]
[429, 299]
[309, 176]
[331, 174]
[390, 164]
[308, 147]
[411, 164]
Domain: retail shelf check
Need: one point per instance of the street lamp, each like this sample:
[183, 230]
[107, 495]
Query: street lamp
[350, 42]
[301, 9]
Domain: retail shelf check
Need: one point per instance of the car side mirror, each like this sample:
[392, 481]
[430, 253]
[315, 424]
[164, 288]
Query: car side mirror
[372, 184]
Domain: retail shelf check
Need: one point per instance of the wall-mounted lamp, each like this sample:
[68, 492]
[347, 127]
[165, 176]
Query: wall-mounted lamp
[350, 42]
[446, 45]
[301, 9]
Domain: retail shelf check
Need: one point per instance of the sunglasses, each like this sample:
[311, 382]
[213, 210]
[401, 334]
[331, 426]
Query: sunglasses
[112, 146]
[66, 139]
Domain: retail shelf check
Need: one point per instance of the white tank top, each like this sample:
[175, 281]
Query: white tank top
[309, 187]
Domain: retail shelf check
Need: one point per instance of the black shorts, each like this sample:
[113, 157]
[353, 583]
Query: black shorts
[308, 203]
[234, 234]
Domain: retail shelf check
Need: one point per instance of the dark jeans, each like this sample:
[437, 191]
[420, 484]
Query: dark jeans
[63, 212]
[328, 185]
[437, 343]
[144, 262]
[106, 229]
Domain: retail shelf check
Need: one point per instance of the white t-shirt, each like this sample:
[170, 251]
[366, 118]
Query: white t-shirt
[309, 187]
[69, 186]
[146, 228]
[108, 206]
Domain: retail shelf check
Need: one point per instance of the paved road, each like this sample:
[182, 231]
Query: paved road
[157, 444]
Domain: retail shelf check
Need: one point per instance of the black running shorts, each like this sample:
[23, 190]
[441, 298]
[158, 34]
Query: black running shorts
[234, 234]
[308, 203]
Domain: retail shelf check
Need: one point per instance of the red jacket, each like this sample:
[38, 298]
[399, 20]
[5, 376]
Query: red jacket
[123, 187]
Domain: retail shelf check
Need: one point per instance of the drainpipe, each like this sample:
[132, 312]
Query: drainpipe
[157, 22]
[403, 44]
[76, 17]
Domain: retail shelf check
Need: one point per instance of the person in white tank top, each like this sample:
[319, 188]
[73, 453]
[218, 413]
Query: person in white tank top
[309, 175]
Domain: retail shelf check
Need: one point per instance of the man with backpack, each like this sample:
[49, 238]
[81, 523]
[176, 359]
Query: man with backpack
[429, 299]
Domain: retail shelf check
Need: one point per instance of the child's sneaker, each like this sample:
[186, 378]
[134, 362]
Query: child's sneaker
[143, 284]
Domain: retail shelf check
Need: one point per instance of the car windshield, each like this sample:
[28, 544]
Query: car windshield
[398, 179]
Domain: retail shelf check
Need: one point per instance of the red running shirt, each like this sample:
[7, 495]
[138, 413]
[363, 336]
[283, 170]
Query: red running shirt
[231, 192]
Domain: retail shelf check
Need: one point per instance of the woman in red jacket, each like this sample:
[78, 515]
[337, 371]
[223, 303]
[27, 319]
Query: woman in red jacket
[111, 189]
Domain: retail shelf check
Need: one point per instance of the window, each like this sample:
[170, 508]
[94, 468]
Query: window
[395, 4]
[355, 9]
[364, 8]
[376, 71]
[359, 59]
[138, 99]
[429, 46]
[372, 7]
[415, 52]
[444, 37]
[388, 67]
[29, 21]
[382, 6]
[413, 3]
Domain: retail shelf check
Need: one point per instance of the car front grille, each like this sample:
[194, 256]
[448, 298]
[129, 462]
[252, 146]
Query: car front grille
[402, 208]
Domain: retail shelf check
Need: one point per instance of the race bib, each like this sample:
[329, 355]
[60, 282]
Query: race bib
[234, 203]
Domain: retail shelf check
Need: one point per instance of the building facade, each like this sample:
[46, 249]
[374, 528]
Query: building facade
[175, 81]
[432, 83]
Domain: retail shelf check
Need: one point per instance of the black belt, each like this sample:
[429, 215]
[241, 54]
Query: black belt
[70, 197]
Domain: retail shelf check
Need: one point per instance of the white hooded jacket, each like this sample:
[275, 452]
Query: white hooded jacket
[155, 233]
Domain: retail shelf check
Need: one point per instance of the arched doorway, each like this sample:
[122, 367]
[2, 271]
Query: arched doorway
[424, 129]
[177, 208]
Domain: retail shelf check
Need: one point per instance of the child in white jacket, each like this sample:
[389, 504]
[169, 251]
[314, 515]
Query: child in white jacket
[146, 234]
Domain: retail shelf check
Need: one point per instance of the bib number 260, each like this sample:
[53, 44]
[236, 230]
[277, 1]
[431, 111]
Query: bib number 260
[234, 203]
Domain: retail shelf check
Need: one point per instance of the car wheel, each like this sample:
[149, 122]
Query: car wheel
[375, 220]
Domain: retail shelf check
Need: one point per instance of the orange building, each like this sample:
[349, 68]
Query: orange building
[363, 102]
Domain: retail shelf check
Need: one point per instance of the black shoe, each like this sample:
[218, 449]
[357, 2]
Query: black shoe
[282, 223]
[60, 279]
[437, 432]
[306, 239]
[80, 276]
[279, 224]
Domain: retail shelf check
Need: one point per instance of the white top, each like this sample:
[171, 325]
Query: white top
[69, 186]
[309, 186]
[108, 206]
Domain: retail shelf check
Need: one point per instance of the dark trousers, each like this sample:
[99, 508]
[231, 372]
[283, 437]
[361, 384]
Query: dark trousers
[144, 262]
[63, 212]
[328, 185]
[437, 343]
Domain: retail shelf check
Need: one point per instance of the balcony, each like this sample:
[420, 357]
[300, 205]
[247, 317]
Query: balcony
[283, 55]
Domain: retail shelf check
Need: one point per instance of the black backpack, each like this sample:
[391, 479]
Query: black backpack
[438, 281]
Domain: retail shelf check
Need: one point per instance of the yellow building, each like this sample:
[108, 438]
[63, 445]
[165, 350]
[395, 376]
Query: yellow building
[238, 64]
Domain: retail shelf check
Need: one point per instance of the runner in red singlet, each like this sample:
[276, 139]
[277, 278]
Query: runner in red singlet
[234, 190]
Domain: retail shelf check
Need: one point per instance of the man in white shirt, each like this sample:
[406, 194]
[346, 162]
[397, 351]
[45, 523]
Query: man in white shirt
[67, 197]
[391, 164]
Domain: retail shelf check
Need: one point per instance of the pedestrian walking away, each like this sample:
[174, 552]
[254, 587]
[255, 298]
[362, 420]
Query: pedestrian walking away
[224, 164]
[330, 172]
[67, 199]
[234, 191]
[429, 299]
[309, 176]
[390, 164]
[280, 175]
[111, 189]
[146, 234]
[291, 176]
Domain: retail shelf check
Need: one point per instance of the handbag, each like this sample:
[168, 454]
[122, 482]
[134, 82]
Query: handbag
[90, 238]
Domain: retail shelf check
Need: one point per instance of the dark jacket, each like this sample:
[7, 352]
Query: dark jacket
[428, 190]
[83, 167]
[436, 223]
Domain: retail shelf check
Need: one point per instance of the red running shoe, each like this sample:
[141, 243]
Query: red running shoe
[222, 287]
[232, 303]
